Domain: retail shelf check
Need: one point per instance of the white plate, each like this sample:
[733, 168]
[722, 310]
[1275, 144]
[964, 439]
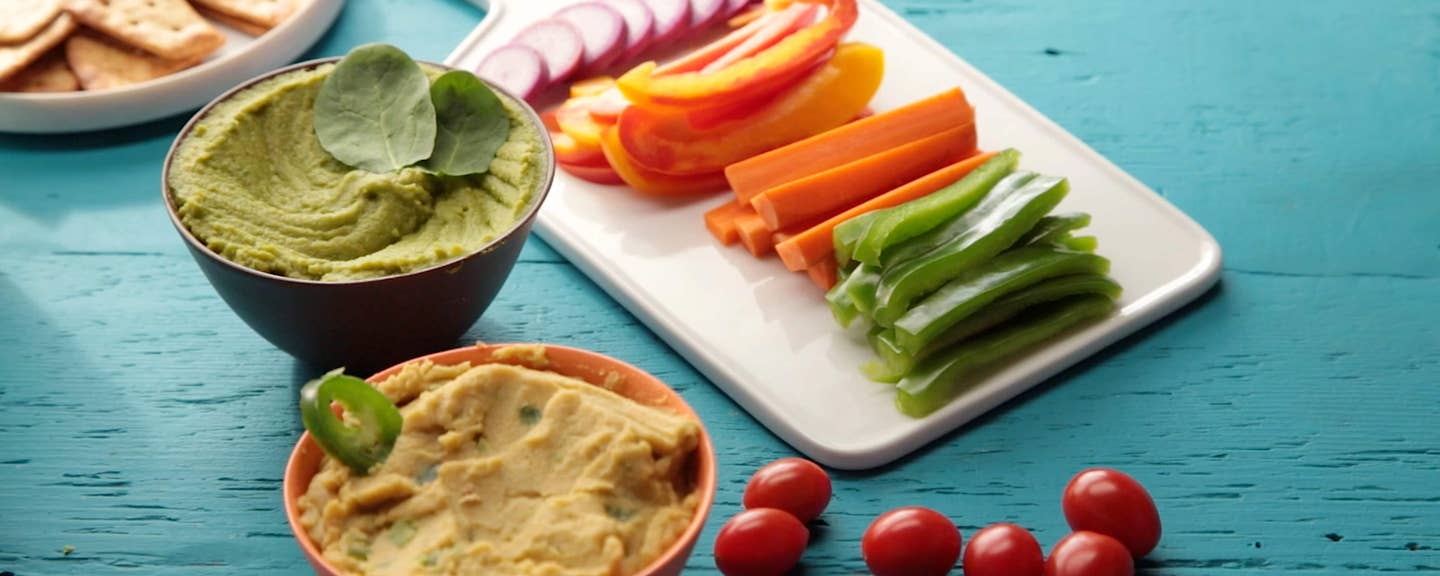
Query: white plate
[765, 336]
[241, 58]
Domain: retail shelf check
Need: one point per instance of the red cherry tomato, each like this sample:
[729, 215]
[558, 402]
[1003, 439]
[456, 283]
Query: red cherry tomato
[1112, 503]
[795, 485]
[760, 542]
[1003, 550]
[1089, 554]
[911, 542]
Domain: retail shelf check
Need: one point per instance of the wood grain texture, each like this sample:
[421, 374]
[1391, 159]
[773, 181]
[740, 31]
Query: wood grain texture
[143, 424]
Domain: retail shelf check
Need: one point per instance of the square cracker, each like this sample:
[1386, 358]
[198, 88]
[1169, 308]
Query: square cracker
[169, 29]
[16, 57]
[48, 74]
[267, 13]
[222, 18]
[102, 63]
[23, 19]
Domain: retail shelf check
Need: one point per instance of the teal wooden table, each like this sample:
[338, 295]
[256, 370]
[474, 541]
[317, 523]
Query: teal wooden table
[1286, 421]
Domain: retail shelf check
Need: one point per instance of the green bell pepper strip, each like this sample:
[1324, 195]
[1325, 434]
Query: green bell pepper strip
[841, 307]
[895, 363]
[940, 235]
[843, 300]
[861, 287]
[377, 421]
[891, 363]
[1077, 243]
[849, 234]
[976, 287]
[894, 225]
[938, 379]
[988, 229]
[1053, 227]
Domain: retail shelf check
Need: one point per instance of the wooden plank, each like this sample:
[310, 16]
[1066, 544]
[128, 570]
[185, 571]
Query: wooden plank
[146, 426]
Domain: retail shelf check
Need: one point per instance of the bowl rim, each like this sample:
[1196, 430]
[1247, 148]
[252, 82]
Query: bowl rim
[546, 183]
[706, 484]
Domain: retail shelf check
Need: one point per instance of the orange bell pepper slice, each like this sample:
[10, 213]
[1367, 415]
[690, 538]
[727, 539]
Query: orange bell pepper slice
[655, 183]
[576, 121]
[568, 150]
[591, 86]
[786, 59]
[668, 142]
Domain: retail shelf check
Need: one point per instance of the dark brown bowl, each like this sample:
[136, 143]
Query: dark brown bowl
[363, 324]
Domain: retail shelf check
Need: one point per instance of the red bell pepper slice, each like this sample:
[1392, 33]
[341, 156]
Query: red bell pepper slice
[568, 150]
[785, 60]
[599, 174]
[655, 183]
[668, 142]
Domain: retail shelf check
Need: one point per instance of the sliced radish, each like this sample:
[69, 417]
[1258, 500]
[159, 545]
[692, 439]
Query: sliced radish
[672, 19]
[559, 42]
[734, 7]
[639, 26]
[519, 70]
[704, 13]
[602, 28]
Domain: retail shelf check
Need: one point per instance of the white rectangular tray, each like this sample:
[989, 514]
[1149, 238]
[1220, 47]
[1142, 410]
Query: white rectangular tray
[765, 335]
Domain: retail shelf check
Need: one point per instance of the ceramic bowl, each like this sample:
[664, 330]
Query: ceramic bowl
[363, 324]
[590, 367]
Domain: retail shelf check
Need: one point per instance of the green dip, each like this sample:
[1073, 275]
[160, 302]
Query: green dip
[252, 182]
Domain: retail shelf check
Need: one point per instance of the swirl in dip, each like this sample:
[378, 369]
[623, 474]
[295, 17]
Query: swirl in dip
[252, 183]
[504, 470]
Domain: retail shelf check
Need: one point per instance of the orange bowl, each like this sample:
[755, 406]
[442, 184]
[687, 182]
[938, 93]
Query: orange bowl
[635, 384]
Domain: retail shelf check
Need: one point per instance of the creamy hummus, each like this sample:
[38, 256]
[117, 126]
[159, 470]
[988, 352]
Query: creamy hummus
[252, 182]
[507, 470]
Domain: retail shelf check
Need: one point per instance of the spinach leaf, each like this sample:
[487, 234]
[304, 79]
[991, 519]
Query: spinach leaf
[373, 111]
[472, 124]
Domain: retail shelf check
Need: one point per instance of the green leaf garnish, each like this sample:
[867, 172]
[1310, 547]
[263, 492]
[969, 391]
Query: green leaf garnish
[374, 112]
[471, 121]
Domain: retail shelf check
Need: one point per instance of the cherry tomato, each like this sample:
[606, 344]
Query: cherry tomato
[1112, 503]
[911, 542]
[760, 542]
[795, 485]
[1003, 550]
[1089, 554]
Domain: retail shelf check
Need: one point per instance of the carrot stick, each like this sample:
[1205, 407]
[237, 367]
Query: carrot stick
[824, 273]
[849, 143]
[817, 244]
[721, 222]
[758, 239]
[814, 198]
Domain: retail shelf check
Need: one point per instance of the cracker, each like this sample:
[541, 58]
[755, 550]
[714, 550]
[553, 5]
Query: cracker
[48, 74]
[231, 21]
[267, 13]
[14, 58]
[23, 19]
[102, 63]
[169, 29]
